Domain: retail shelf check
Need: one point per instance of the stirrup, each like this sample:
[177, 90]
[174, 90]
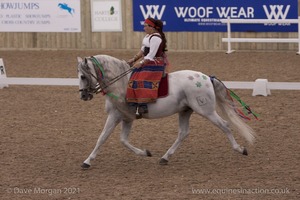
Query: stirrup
[98, 88]
[138, 115]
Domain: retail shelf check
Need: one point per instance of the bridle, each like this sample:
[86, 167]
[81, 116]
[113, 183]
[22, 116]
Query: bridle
[88, 75]
[101, 84]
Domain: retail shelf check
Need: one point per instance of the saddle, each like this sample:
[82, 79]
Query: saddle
[163, 89]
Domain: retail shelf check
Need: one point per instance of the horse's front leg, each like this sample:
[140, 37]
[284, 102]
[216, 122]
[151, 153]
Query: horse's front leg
[112, 121]
[126, 127]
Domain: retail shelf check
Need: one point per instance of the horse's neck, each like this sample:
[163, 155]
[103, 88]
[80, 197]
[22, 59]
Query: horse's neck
[116, 92]
[113, 70]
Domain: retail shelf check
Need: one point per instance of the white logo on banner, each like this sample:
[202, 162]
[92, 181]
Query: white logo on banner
[153, 11]
[276, 11]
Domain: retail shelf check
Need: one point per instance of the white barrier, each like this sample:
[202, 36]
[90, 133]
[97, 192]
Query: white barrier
[40, 81]
[75, 82]
[229, 39]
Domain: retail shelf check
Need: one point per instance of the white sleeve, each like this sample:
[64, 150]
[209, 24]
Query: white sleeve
[154, 45]
[145, 42]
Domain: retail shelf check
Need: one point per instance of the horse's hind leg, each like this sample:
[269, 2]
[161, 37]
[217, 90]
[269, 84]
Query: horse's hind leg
[223, 125]
[184, 118]
[112, 121]
[126, 127]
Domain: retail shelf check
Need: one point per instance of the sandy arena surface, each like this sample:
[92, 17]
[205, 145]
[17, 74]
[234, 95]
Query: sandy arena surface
[47, 132]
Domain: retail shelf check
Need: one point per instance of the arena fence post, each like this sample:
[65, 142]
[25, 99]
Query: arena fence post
[261, 87]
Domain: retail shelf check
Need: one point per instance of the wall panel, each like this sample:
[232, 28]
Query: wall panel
[127, 39]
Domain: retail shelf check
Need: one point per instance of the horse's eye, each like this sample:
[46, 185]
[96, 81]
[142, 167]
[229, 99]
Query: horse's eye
[82, 77]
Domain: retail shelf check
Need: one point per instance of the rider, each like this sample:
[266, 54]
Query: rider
[144, 81]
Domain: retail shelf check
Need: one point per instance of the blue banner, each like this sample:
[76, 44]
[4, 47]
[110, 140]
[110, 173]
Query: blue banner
[198, 16]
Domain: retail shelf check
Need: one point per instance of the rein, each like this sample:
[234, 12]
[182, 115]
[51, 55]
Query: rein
[101, 86]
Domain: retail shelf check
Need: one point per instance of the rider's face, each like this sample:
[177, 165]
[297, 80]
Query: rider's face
[148, 29]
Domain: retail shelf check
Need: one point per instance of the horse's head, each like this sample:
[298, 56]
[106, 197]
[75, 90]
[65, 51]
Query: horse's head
[88, 83]
[102, 73]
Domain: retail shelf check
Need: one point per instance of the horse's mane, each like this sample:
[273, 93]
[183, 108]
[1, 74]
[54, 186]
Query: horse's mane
[116, 92]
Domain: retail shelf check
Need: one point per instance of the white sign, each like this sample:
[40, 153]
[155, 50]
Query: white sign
[40, 16]
[106, 15]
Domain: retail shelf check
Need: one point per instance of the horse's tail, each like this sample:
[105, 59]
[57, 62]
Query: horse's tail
[229, 110]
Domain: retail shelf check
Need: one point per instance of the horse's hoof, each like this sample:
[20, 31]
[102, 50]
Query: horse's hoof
[245, 152]
[138, 116]
[148, 153]
[85, 166]
[163, 161]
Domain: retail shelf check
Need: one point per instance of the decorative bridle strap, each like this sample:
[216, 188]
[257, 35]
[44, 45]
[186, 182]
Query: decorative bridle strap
[111, 81]
[98, 64]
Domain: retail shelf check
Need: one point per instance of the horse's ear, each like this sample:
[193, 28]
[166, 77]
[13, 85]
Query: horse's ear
[79, 60]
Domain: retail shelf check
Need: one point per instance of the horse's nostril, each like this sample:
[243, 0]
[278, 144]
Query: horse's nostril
[83, 96]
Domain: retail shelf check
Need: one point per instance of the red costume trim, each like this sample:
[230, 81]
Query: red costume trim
[149, 22]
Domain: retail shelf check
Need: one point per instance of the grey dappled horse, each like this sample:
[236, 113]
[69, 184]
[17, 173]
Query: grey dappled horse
[189, 91]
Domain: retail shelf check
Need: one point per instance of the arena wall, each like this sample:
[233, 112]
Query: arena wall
[128, 39]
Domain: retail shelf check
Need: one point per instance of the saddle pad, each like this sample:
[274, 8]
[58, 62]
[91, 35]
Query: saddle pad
[163, 89]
